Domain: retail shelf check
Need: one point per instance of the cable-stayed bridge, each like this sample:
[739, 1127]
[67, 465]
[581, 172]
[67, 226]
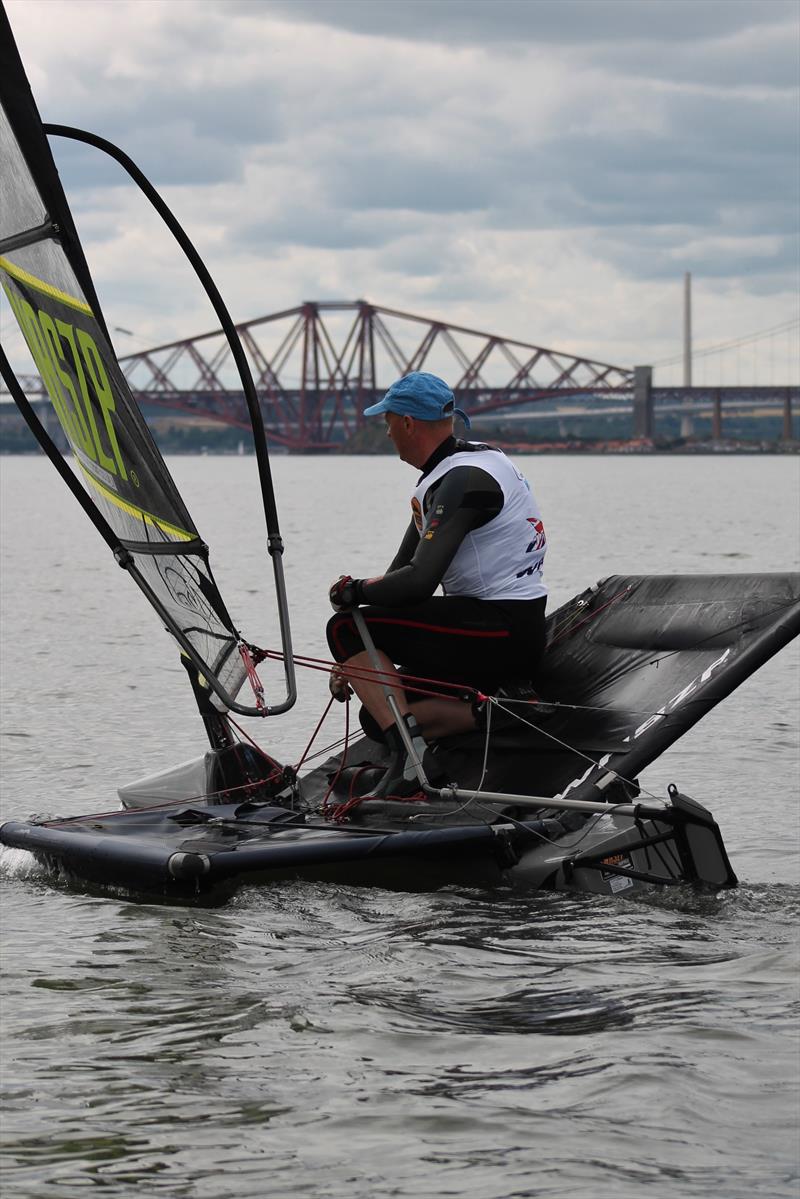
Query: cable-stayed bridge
[317, 366]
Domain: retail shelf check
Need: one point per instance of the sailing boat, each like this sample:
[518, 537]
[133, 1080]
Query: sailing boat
[543, 792]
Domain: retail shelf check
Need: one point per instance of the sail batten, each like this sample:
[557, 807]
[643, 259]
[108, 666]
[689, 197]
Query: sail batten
[28, 237]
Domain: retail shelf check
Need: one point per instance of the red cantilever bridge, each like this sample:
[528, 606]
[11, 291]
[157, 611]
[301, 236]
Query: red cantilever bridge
[317, 366]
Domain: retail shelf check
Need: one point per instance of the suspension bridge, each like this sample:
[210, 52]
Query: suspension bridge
[318, 365]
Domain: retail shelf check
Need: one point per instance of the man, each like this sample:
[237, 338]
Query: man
[476, 529]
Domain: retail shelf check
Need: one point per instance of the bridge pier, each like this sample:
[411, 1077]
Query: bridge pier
[643, 423]
[716, 419]
[787, 415]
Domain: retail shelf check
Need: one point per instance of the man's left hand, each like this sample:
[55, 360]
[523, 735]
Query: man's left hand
[338, 685]
[344, 593]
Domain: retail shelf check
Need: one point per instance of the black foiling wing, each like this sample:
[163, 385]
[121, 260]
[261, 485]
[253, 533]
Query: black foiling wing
[643, 658]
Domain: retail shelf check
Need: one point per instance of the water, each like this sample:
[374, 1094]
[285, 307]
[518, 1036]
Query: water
[311, 1040]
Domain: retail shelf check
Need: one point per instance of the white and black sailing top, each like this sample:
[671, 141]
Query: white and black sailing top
[476, 529]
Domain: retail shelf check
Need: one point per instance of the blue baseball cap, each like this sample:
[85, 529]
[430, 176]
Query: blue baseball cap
[423, 396]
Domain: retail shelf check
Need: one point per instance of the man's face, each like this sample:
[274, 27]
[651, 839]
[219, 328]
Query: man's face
[400, 430]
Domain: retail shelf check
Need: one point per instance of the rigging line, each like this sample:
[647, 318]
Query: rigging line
[485, 755]
[326, 749]
[308, 757]
[370, 674]
[161, 807]
[571, 748]
[314, 734]
[542, 702]
[246, 736]
[175, 803]
[344, 809]
[328, 813]
[243, 733]
[406, 683]
[420, 816]
[367, 674]
[252, 675]
[715, 347]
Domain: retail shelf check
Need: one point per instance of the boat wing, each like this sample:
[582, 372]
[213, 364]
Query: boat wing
[127, 489]
[637, 660]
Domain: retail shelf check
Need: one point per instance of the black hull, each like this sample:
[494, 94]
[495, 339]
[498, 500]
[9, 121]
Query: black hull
[204, 854]
[632, 664]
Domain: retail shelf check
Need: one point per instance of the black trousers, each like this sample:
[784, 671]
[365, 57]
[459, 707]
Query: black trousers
[480, 643]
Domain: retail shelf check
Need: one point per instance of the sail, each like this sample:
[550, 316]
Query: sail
[46, 280]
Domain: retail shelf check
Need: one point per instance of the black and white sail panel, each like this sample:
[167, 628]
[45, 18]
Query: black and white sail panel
[45, 278]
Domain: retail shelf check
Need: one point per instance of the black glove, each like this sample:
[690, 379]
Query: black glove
[345, 593]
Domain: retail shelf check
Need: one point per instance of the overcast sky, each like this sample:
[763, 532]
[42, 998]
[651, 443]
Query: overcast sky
[542, 169]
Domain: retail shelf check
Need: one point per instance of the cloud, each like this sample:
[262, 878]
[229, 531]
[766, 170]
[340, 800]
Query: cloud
[570, 22]
[506, 165]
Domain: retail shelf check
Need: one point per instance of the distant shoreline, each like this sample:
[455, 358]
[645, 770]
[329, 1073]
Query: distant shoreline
[777, 449]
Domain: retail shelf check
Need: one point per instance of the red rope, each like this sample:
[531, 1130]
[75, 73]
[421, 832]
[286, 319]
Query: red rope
[243, 733]
[251, 655]
[342, 760]
[314, 734]
[367, 674]
[361, 770]
[255, 681]
[339, 814]
[343, 810]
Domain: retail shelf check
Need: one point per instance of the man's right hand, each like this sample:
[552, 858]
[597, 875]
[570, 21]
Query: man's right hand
[344, 593]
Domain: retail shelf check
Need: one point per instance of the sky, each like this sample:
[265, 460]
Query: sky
[546, 170]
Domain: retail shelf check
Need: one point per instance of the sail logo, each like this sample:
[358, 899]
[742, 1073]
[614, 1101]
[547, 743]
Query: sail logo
[673, 703]
[663, 711]
[73, 372]
[185, 591]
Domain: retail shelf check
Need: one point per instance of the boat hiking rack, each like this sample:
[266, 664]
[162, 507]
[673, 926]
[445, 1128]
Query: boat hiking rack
[686, 824]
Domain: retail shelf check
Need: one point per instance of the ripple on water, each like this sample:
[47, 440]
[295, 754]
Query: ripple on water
[316, 1040]
[417, 1027]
